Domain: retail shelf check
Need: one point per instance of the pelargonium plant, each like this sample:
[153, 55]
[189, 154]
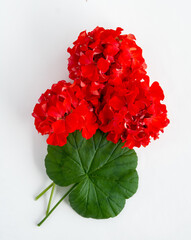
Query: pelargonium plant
[94, 123]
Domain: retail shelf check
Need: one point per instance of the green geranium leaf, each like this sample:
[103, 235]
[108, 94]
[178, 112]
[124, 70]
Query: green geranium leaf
[104, 173]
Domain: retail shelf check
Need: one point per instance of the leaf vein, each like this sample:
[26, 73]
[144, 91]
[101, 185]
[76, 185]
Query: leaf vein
[108, 158]
[107, 196]
[95, 153]
[78, 154]
[70, 143]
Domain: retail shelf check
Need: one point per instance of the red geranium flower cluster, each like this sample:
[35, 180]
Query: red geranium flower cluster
[62, 110]
[103, 56]
[111, 91]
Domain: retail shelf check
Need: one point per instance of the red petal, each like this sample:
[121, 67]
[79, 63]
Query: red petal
[103, 65]
[57, 139]
[156, 91]
[116, 103]
[90, 72]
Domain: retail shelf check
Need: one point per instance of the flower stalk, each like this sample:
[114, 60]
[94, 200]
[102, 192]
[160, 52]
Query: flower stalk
[56, 205]
[50, 199]
[44, 191]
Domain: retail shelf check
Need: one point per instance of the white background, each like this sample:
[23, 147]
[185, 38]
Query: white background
[34, 36]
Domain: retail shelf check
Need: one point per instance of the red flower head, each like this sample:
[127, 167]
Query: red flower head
[104, 55]
[61, 111]
[133, 113]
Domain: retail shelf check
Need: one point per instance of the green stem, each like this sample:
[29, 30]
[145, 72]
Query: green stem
[44, 191]
[50, 199]
[71, 189]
